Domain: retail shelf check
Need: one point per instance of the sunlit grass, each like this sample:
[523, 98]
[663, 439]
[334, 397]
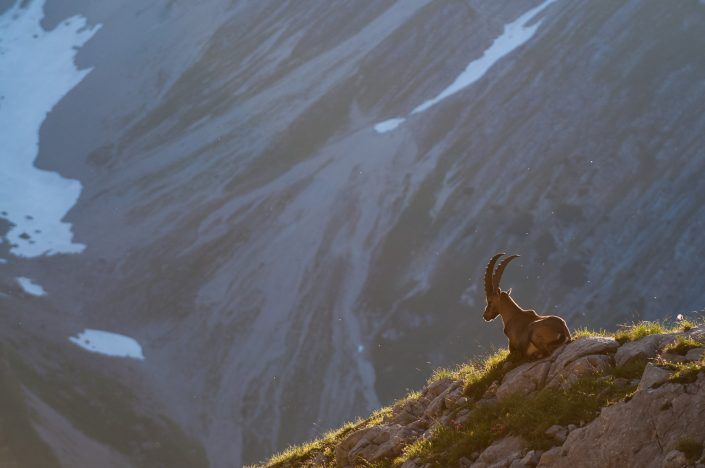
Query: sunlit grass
[525, 416]
[682, 346]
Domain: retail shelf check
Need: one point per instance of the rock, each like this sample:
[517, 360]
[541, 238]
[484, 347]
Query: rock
[572, 427]
[502, 451]
[644, 348]
[560, 433]
[491, 391]
[464, 462]
[586, 346]
[524, 379]
[675, 459]
[581, 367]
[671, 357]
[653, 376]
[415, 463]
[437, 387]
[532, 458]
[373, 443]
[695, 354]
[436, 407]
[634, 432]
[550, 457]
[517, 463]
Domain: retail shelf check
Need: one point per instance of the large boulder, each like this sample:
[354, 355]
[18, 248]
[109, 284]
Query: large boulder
[645, 348]
[525, 379]
[501, 453]
[587, 355]
[373, 443]
[642, 431]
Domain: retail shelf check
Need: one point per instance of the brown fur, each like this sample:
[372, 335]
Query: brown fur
[530, 335]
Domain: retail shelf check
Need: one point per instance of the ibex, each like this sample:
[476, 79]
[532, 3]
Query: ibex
[530, 335]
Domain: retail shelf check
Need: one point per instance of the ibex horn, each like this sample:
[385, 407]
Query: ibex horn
[500, 270]
[489, 290]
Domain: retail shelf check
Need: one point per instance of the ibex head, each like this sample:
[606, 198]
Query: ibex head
[494, 295]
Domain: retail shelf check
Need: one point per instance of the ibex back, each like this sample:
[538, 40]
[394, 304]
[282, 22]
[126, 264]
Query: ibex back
[530, 335]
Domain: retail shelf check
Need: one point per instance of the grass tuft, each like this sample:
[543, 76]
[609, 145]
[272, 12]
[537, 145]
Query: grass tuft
[682, 345]
[528, 417]
[638, 331]
[525, 416]
[691, 448]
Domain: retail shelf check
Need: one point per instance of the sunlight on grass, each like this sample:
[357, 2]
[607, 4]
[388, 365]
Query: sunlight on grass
[682, 346]
[525, 416]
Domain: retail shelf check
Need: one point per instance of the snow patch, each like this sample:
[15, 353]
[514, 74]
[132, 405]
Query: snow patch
[389, 125]
[514, 35]
[112, 344]
[36, 71]
[30, 287]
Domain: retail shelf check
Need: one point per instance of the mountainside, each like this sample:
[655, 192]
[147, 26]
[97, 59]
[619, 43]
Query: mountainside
[635, 399]
[281, 209]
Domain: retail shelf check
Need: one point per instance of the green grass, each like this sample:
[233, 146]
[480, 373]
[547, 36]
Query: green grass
[528, 417]
[683, 372]
[525, 416]
[638, 331]
[691, 448]
[682, 346]
[309, 454]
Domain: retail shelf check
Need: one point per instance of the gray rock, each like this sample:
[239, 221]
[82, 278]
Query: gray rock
[645, 348]
[373, 443]
[550, 457]
[695, 354]
[464, 462]
[532, 458]
[524, 379]
[502, 451]
[415, 463]
[671, 357]
[517, 463]
[437, 387]
[585, 346]
[560, 433]
[634, 432]
[438, 405]
[675, 459]
[581, 367]
[653, 375]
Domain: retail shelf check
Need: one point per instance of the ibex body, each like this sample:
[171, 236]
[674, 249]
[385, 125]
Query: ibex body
[530, 335]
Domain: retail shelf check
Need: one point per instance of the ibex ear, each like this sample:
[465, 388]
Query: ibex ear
[509, 292]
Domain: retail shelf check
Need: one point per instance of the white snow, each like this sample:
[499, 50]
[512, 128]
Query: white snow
[112, 344]
[389, 125]
[514, 35]
[30, 287]
[36, 71]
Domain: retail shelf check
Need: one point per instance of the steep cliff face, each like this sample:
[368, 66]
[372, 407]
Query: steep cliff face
[283, 253]
[597, 401]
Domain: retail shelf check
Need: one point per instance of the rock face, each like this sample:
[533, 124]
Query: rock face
[644, 430]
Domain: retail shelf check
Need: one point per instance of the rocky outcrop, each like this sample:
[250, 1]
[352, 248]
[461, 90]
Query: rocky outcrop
[647, 429]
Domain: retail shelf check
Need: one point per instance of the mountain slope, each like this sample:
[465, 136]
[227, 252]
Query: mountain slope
[635, 399]
[281, 262]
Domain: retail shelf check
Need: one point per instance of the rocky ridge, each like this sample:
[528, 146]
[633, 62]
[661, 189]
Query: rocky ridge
[657, 420]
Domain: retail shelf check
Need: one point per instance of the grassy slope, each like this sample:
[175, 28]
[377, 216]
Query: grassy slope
[526, 416]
